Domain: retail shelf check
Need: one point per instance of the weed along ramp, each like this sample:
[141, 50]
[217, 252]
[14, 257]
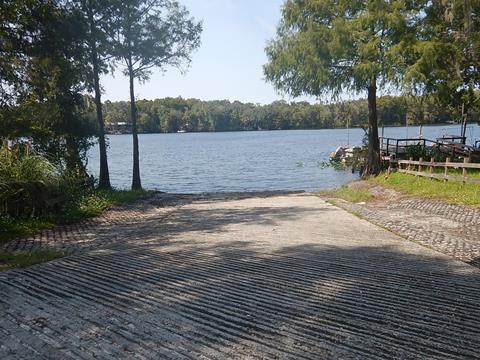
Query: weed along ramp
[243, 276]
[145, 221]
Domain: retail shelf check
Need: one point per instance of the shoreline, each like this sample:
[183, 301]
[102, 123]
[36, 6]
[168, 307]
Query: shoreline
[276, 130]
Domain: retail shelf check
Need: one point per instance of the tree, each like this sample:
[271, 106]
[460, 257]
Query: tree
[149, 34]
[43, 82]
[95, 14]
[336, 46]
[447, 61]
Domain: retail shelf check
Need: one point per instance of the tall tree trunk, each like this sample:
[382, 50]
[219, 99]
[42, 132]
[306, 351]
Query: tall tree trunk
[136, 183]
[104, 181]
[73, 160]
[372, 166]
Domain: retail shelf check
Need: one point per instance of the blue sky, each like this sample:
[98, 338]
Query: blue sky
[228, 64]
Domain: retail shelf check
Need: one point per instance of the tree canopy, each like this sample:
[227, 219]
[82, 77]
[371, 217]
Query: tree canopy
[446, 59]
[150, 34]
[193, 115]
[329, 46]
[43, 73]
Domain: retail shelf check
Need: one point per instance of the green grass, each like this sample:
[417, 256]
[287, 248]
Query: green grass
[10, 260]
[13, 228]
[92, 204]
[455, 192]
[455, 172]
[350, 194]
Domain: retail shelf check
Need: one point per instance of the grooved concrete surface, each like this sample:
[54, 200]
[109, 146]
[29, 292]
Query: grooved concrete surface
[284, 276]
[453, 230]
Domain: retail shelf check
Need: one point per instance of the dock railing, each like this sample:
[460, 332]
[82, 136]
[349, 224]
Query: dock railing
[395, 147]
[426, 169]
[398, 147]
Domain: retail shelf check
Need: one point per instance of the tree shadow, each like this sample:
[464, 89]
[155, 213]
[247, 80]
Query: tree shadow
[234, 301]
[210, 214]
[475, 262]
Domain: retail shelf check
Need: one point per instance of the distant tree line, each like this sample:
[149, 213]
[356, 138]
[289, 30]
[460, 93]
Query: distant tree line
[417, 47]
[52, 53]
[193, 115]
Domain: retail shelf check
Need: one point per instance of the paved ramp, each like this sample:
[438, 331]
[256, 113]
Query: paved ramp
[287, 277]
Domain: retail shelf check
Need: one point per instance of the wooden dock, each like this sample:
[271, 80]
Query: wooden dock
[398, 149]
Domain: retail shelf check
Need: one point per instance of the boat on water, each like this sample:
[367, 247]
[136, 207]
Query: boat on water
[181, 131]
[344, 153]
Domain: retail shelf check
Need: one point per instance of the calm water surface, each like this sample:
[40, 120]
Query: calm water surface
[242, 161]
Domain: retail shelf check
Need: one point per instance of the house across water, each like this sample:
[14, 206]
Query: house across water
[118, 128]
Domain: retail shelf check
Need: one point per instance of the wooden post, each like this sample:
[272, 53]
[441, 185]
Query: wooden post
[446, 169]
[464, 172]
[390, 164]
[410, 164]
[420, 165]
[432, 160]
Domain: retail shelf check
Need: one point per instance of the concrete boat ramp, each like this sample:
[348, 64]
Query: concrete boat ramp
[268, 276]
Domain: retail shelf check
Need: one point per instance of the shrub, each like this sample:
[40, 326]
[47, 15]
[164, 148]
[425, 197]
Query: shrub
[20, 164]
[31, 186]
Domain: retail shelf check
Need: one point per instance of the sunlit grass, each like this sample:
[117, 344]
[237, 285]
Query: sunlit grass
[350, 194]
[455, 192]
[95, 203]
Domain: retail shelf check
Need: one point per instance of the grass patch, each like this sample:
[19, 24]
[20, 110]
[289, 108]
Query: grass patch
[23, 259]
[10, 228]
[349, 194]
[454, 192]
[89, 205]
[94, 204]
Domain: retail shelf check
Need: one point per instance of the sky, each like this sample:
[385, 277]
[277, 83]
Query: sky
[228, 64]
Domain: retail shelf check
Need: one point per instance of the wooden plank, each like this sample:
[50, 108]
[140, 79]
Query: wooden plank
[440, 176]
[461, 178]
[423, 174]
[456, 165]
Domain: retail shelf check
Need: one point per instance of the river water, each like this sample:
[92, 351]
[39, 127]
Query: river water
[243, 161]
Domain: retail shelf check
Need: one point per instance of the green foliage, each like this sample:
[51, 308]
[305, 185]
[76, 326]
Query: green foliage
[192, 115]
[455, 192]
[329, 46]
[28, 183]
[332, 45]
[9, 260]
[43, 78]
[152, 33]
[12, 228]
[436, 154]
[19, 164]
[90, 204]
[348, 193]
[446, 61]
[95, 203]
[149, 34]
[416, 152]
[427, 153]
